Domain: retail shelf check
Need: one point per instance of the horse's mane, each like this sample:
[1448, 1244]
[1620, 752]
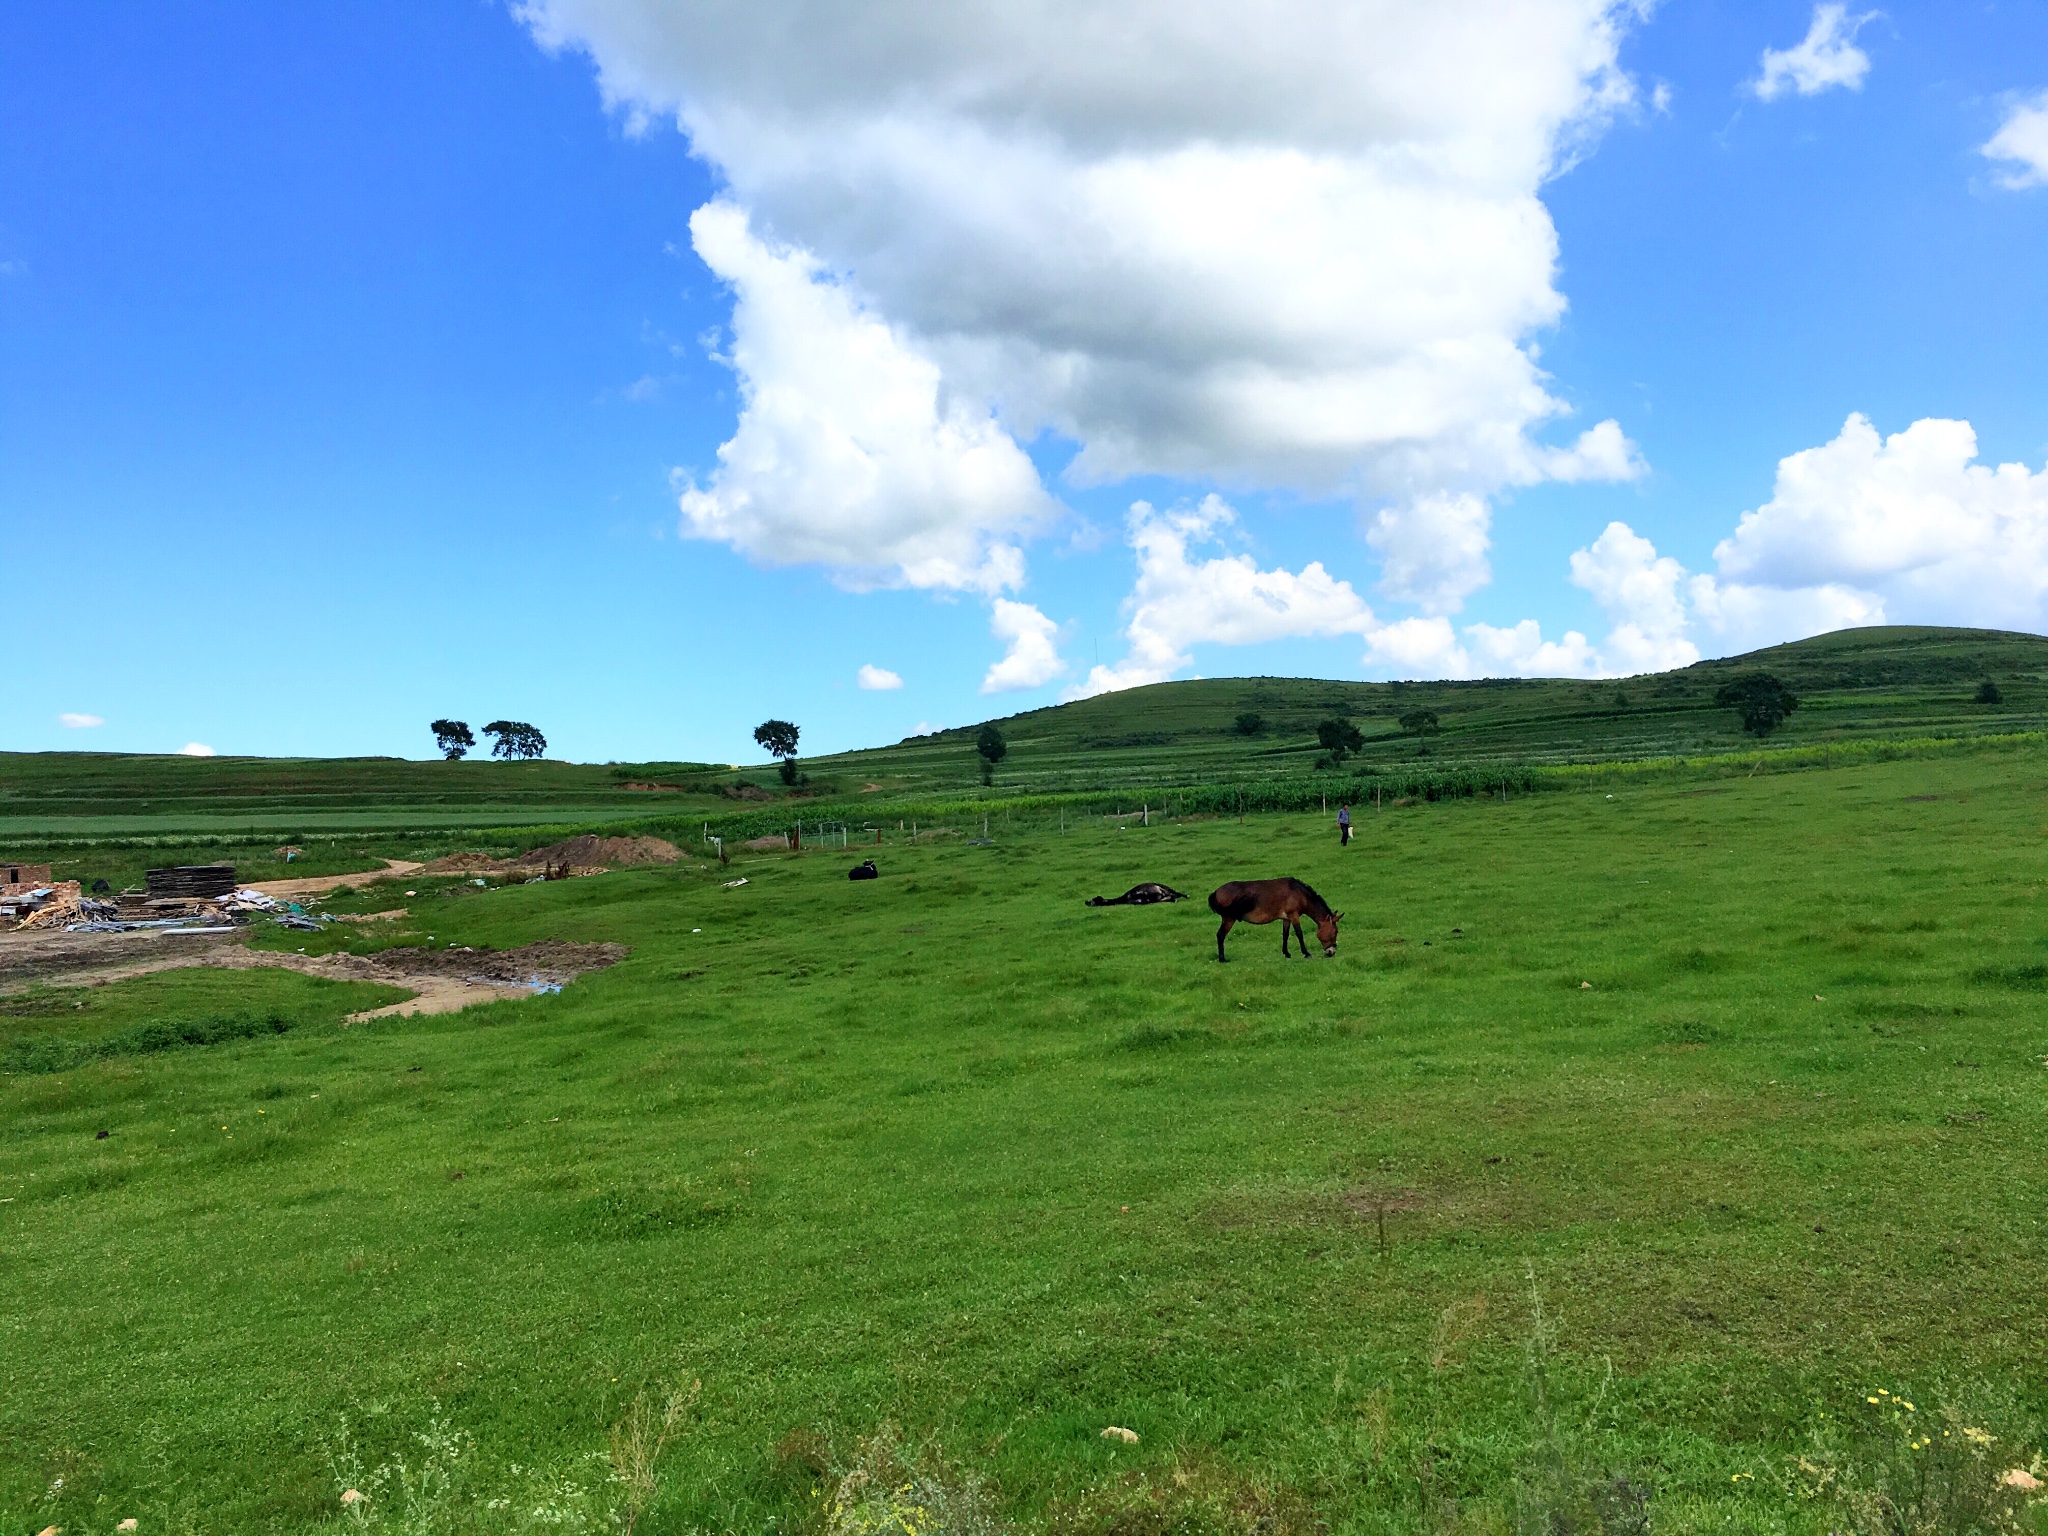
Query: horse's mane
[1317, 906]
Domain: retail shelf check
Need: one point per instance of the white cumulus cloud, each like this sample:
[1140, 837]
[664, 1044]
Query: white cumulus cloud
[79, 722]
[851, 452]
[1294, 245]
[2022, 143]
[196, 749]
[1223, 600]
[877, 679]
[1911, 520]
[1825, 58]
[1031, 656]
[1433, 550]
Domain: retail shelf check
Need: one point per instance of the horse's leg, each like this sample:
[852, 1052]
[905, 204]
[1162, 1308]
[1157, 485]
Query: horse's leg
[1220, 932]
[1283, 937]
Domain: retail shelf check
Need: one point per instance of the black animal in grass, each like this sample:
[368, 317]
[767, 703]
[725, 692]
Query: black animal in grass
[1139, 896]
[865, 871]
[1285, 901]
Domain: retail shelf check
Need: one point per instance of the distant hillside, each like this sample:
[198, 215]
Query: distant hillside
[1887, 681]
[1858, 683]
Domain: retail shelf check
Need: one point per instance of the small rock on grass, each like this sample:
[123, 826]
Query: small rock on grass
[1118, 1432]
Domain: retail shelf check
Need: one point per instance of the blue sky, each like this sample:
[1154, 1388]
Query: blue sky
[353, 361]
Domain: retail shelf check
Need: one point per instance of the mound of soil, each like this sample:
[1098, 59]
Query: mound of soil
[774, 842]
[467, 864]
[587, 851]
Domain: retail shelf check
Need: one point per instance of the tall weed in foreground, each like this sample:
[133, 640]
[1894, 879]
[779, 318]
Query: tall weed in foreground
[1888, 1468]
[1563, 1487]
[442, 1486]
[889, 1491]
[637, 1443]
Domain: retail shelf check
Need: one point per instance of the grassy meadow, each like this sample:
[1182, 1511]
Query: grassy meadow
[1739, 1082]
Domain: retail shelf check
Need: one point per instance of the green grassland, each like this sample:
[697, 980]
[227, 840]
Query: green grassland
[953, 1151]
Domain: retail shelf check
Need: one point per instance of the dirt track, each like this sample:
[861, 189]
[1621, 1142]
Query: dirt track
[314, 885]
[441, 980]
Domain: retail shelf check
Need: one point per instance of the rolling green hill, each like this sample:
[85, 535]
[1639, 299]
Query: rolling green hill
[1853, 684]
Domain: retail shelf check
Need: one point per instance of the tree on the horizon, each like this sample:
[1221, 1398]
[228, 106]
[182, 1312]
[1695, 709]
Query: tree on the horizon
[515, 739]
[1419, 722]
[1339, 738]
[990, 747]
[452, 738]
[1761, 700]
[778, 739]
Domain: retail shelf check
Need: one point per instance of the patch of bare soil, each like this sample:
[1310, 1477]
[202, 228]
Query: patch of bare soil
[466, 864]
[587, 850]
[441, 980]
[314, 885]
[28, 956]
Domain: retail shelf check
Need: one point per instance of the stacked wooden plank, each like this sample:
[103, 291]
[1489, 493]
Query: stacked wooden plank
[191, 881]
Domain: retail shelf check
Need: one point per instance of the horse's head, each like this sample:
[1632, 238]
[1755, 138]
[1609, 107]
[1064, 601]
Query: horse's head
[1326, 933]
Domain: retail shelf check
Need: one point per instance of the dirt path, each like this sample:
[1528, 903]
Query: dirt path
[441, 980]
[315, 885]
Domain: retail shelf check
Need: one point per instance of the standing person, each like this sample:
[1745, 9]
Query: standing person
[1344, 826]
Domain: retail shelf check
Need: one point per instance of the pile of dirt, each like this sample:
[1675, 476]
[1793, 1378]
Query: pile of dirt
[467, 864]
[587, 852]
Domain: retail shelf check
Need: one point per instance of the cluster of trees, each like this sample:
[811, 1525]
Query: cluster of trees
[511, 739]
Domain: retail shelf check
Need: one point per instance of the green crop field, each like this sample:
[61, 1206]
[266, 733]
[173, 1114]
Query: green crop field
[1643, 1135]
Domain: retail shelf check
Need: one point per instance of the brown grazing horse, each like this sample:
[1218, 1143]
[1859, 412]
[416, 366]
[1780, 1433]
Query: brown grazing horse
[1262, 901]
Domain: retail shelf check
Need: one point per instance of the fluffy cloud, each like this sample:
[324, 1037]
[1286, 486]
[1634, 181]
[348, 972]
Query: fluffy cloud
[1639, 592]
[1433, 550]
[851, 452]
[877, 679]
[1906, 529]
[1825, 58]
[2022, 142]
[1224, 600]
[1302, 245]
[1911, 521]
[1031, 656]
[196, 749]
[79, 722]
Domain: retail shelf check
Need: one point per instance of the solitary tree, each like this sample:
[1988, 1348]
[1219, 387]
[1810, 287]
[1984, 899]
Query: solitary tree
[992, 749]
[1988, 693]
[778, 739]
[1249, 723]
[1419, 722]
[452, 738]
[515, 739]
[1761, 700]
[1340, 738]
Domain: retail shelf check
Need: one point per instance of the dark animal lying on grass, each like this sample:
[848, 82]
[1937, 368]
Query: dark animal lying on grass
[1264, 901]
[1139, 896]
[865, 871]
